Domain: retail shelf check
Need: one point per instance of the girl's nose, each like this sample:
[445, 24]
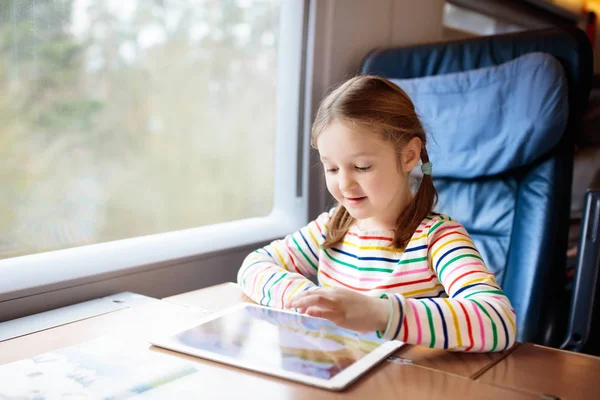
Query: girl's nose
[346, 182]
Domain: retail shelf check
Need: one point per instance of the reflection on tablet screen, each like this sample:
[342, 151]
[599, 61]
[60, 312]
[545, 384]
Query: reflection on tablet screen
[275, 339]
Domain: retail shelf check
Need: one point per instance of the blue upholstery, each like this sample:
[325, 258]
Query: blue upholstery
[485, 122]
[515, 206]
[489, 120]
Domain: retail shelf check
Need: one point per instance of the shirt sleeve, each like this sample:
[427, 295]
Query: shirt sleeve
[273, 274]
[477, 316]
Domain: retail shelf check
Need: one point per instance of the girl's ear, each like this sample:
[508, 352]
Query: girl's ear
[411, 154]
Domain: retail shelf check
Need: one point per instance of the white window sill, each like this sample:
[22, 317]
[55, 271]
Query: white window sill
[36, 273]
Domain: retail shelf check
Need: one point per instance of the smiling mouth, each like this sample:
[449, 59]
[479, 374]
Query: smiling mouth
[355, 199]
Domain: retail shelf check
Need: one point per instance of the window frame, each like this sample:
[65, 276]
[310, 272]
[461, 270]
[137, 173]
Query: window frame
[62, 274]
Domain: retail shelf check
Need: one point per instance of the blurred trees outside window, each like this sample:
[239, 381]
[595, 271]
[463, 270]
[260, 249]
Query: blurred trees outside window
[122, 118]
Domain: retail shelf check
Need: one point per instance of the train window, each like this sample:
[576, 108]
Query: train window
[457, 20]
[121, 119]
[136, 134]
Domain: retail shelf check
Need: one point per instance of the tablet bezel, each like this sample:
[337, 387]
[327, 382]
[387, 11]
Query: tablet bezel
[338, 382]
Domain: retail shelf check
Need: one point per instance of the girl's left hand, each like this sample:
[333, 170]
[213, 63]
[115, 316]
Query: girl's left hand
[345, 308]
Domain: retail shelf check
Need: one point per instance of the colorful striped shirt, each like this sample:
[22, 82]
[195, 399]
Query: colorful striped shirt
[443, 294]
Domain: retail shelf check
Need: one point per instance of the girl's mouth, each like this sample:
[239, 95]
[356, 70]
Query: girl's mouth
[355, 200]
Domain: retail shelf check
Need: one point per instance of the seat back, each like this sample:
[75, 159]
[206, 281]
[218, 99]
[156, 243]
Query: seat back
[507, 181]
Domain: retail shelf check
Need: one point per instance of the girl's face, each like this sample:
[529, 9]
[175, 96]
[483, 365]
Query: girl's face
[363, 174]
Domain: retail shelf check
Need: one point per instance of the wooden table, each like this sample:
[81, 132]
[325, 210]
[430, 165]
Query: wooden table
[523, 373]
[526, 368]
[142, 321]
[539, 369]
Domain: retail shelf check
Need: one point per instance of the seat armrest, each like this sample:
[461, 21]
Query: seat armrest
[585, 281]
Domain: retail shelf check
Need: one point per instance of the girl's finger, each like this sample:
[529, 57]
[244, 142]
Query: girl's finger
[302, 295]
[291, 303]
[322, 313]
[313, 299]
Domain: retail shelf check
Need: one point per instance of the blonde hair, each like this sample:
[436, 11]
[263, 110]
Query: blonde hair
[378, 104]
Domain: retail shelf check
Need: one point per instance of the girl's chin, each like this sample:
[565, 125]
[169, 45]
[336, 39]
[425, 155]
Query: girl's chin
[358, 214]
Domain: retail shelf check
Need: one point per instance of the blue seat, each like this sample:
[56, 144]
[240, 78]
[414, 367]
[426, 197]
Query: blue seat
[508, 182]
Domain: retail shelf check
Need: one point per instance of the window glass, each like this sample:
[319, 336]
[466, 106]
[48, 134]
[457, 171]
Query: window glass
[122, 118]
[462, 22]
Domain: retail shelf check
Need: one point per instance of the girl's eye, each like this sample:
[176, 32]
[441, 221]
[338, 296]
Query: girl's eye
[331, 170]
[363, 169]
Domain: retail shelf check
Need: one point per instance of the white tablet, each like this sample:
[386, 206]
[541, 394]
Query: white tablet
[285, 344]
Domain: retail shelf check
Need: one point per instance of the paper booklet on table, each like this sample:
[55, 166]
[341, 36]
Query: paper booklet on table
[109, 367]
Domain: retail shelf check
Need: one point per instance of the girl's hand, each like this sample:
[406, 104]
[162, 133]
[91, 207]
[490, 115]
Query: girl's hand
[345, 308]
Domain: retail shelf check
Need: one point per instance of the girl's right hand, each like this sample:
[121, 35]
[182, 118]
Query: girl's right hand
[345, 308]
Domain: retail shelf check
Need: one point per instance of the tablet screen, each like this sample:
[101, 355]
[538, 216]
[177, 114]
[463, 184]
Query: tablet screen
[281, 340]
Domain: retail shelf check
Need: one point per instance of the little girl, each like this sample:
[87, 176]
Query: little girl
[384, 260]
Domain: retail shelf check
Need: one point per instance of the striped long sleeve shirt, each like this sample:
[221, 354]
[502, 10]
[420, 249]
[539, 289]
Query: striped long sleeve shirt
[443, 294]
